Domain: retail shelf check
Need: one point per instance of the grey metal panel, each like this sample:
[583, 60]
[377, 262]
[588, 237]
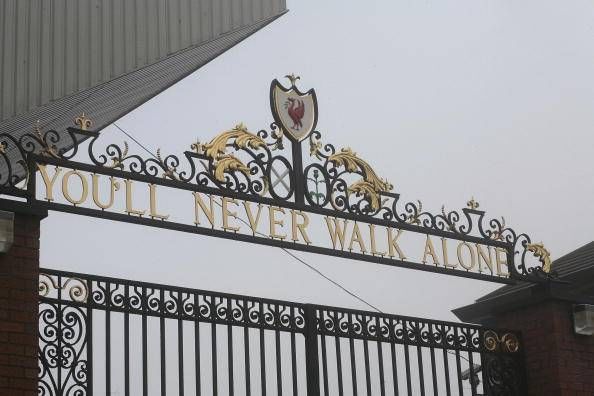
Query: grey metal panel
[50, 49]
[107, 102]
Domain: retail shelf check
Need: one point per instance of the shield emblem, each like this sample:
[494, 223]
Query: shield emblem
[294, 111]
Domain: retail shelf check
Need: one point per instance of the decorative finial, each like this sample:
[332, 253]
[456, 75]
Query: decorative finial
[293, 78]
[197, 147]
[472, 204]
[241, 127]
[83, 122]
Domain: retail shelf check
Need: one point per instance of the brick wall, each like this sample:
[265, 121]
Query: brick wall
[558, 362]
[19, 280]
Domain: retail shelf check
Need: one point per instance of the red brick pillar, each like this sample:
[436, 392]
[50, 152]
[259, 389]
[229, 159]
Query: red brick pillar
[558, 362]
[19, 280]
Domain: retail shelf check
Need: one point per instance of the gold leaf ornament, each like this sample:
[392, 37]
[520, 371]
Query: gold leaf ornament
[542, 253]
[371, 186]
[216, 150]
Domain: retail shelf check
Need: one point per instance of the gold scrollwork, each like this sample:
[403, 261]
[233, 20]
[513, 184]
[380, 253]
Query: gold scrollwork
[76, 288]
[508, 342]
[371, 186]
[542, 253]
[216, 150]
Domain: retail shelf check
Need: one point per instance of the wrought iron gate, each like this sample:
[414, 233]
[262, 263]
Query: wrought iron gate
[109, 336]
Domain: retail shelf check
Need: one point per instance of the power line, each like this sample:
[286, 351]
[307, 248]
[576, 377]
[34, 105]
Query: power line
[295, 257]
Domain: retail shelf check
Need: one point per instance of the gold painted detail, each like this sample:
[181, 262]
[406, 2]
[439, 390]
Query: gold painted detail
[508, 342]
[46, 150]
[168, 172]
[472, 204]
[293, 78]
[75, 288]
[118, 161]
[83, 122]
[216, 150]
[542, 253]
[371, 186]
[498, 234]
[3, 148]
[451, 225]
[413, 218]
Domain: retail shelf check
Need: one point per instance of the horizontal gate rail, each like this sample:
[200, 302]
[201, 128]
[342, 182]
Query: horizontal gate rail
[101, 335]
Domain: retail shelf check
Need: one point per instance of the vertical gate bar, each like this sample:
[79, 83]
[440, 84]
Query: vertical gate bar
[144, 343]
[162, 342]
[59, 353]
[126, 341]
[279, 371]
[180, 344]
[352, 353]
[367, 372]
[338, 361]
[406, 357]
[312, 365]
[214, 357]
[230, 345]
[197, 344]
[324, 362]
[446, 367]
[89, 338]
[380, 356]
[432, 353]
[420, 363]
[262, 352]
[107, 339]
[458, 367]
[471, 373]
[293, 352]
[246, 342]
[394, 366]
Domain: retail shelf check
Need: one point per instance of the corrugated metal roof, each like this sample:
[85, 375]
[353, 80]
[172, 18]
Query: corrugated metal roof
[568, 267]
[124, 65]
[50, 49]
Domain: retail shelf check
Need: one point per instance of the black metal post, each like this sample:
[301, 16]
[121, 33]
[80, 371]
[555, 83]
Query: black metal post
[298, 180]
[312, 364]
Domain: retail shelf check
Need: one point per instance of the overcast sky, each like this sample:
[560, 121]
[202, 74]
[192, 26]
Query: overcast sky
[446, 99]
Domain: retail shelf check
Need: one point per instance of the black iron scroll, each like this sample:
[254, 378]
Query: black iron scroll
[242, 168]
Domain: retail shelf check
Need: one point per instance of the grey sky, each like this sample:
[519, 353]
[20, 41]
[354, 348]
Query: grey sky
[446, 99]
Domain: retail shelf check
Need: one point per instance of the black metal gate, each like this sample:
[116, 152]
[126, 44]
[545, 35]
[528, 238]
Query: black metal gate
[109, 336]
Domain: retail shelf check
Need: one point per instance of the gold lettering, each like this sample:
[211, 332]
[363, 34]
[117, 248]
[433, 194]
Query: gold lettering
[253, 222]
[393, 244]
[299, 227]
[487, 259]
[227, 213]
[49, 184]
[336, 233]
[430, 250]
[84, 185]
[356, 237]
[129, 209]
[501, 261]
[444, 248]
[153, 204]
[461, 256]
[373, 244]
[274, 222]
[199, 204]
[114, 186]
